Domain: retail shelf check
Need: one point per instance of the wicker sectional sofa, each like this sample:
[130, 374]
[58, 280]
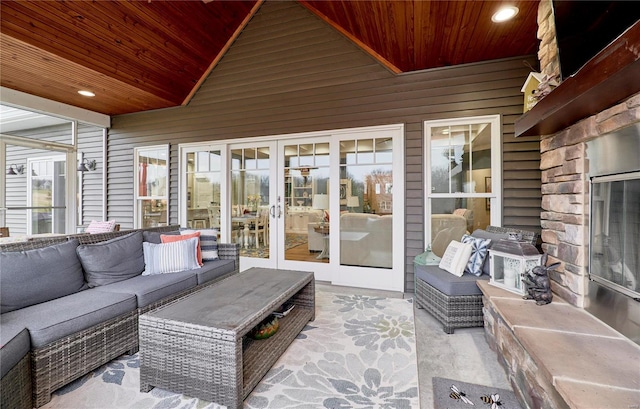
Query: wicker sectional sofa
[48, 344]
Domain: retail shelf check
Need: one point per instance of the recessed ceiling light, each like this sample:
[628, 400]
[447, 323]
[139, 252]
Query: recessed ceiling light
[86, 93]
[505, 13]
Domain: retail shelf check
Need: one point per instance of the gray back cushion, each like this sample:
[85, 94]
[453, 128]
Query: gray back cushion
[113, 260]
[35, 276]
[154, 236]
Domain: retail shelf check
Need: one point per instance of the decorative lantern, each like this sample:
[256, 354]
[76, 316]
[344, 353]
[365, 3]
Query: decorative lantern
[510, 259]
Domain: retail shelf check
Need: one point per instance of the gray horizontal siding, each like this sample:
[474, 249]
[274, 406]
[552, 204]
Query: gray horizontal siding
[290, 72]
[90, 144]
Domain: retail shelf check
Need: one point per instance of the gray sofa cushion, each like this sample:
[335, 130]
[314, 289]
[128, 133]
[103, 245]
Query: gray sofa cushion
[447, 283]
[56, 319]
[151, 288]
[15, 344]
[34, 276]
[113, 260]
[211, 270]
[154, 236]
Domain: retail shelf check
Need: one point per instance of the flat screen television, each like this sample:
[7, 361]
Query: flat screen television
[584, 28]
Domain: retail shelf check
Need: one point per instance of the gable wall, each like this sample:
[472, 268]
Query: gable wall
[290, 72]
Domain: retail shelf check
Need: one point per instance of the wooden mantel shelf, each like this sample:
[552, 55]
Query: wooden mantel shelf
[609, 77]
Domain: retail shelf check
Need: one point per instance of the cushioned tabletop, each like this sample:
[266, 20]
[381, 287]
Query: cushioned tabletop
[448, 283]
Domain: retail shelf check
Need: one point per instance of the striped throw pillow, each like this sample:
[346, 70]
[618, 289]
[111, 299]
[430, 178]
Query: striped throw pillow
[170, 238]
[170, 257]
[208, 243]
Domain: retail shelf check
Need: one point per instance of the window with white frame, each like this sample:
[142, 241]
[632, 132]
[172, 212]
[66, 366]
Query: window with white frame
[462, 175]
[46, 200]
[152, 181]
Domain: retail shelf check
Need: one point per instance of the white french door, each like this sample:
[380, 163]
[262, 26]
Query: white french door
[327, 202]
[37, 196]
[251, 220]
[343, 198]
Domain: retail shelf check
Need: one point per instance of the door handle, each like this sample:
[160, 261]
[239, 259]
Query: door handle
[279, 211]
[272, 211]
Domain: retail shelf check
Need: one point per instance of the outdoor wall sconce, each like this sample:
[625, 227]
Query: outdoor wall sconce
[15, 170]
[87, 165]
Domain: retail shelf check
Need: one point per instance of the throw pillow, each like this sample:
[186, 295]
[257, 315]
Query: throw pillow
[112, 260]
[170, 257]
[483, 234]
[479, 251]
[208, 243]
[35, 276]
[100, 227]
[455, 258]
[164, 238]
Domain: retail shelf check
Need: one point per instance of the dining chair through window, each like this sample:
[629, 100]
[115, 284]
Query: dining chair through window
[261, 228]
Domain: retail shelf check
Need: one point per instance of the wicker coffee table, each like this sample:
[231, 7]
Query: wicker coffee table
[198, 345]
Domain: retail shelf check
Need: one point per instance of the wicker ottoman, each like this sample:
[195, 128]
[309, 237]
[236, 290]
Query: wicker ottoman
[198, 345]
[454, 301]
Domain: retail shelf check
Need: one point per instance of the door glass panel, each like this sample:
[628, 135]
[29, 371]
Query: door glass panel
[306, 202]
[48, 202]
[366, 203]
[250, 168]
[203, 189]
[152, 186]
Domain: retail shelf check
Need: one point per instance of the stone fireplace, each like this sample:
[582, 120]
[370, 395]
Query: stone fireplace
[565, 220]
[568, 354]
[567, 170]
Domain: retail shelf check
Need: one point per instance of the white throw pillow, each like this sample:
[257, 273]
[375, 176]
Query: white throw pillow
[455, 258]
[170, 257]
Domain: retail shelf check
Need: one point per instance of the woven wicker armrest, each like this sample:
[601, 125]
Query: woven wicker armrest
[32, 244]
[230, 251]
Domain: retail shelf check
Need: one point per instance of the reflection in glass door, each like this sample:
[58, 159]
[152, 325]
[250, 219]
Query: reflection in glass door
[366, 195]
[306, 201]
[204, 176]
[47, 195]
[251, 213]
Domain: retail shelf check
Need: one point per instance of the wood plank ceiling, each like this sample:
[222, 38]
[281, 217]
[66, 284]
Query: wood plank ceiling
[142, 55]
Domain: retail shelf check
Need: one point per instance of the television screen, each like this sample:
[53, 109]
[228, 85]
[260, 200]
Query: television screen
[584, 28]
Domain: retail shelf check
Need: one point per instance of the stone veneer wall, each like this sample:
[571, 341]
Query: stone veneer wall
[548, 49]
[565, 184]
[565, 195]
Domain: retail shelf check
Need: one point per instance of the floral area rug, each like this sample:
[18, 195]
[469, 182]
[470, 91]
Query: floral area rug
[359, 352]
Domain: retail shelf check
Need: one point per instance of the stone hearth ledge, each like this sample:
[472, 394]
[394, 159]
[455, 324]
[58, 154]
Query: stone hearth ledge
[589, 364]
